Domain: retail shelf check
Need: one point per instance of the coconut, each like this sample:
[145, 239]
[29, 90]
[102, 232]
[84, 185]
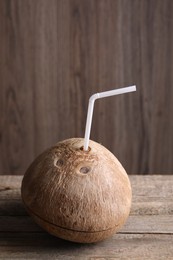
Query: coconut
[77, 195]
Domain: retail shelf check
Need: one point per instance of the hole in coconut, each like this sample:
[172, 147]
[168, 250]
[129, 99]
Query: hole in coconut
[59, 162]
[82, 149]
[85, 170]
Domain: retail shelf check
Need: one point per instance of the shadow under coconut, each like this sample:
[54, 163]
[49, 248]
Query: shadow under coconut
[18, 231]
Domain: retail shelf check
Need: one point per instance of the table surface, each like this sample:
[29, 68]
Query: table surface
[147, 234]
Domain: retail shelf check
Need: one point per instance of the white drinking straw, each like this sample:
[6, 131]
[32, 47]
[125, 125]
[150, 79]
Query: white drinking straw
[91, 107]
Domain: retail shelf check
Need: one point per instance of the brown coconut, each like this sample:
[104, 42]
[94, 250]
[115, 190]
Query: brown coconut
[77, 195]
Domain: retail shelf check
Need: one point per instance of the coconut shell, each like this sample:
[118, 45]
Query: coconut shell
[77, 195]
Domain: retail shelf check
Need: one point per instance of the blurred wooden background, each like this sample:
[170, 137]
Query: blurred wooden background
[54, 54]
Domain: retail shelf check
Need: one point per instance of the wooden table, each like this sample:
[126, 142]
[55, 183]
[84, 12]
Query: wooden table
[148, 233]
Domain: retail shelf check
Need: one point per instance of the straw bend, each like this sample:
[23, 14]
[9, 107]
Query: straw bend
[94, 97]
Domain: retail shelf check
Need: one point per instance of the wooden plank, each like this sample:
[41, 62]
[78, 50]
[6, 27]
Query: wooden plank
[153, 185]
[164, 207]
[152, 195]
[121, 246]
[10, 187]
[14, 207]
[135, 224]
[10, 181]
[18, 224]
[149, 224]
[150, 206]
[148, 233]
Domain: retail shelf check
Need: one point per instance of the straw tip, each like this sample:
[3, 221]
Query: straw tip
[134, 87]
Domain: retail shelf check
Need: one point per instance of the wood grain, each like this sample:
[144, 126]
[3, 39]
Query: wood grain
[145, 235]
[55, 54]
[152, 195]
[139, 224]
[123, 246]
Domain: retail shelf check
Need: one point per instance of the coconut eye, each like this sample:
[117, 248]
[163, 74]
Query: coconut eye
[85, 169]
[58, 163]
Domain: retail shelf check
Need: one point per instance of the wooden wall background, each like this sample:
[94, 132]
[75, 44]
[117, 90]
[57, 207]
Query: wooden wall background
[54, 54]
